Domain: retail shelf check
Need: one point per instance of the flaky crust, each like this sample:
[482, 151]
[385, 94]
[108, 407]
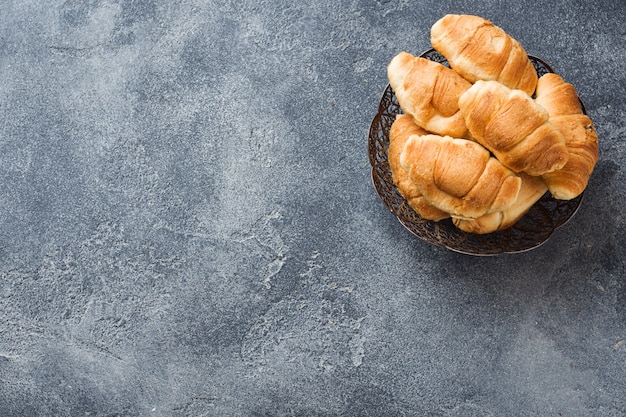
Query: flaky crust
[582, 143]
[459, 176]
[401, 129]
[556, 96]
[561, 101]
[512, 126]
[532, 189]
[478, 50]
[429, 92]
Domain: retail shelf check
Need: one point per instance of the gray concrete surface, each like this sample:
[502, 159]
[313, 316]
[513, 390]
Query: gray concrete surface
[188, 227]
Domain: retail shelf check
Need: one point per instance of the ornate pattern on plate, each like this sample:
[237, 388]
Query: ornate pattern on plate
[547, 215]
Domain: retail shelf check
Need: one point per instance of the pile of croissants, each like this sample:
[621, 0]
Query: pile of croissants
[483, 140]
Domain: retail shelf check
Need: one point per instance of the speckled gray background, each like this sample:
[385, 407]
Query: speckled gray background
[188, 226]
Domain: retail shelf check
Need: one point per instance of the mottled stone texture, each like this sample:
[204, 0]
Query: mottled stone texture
[188, 226]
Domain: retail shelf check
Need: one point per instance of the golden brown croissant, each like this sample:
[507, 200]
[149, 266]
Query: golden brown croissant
[516, 129]
[401, 129]
[478, 50]
[459, 176]
[561, 101]
[557, 96]
[429, 92]
[532, 189]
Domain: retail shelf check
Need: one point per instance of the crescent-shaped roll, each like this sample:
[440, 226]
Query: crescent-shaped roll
[561, 101]
[558, 97]
[401, 129]
[513, 127]
[479, 50]
[582, 143]
[429, 92]
[532, 189]
[459, 176]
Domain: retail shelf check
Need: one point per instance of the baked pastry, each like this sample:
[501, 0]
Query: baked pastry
[429, 92]
[561, 101]
[582, 143]
[516, 129]
[532, 189]
[557, 96]
[478, 50]
[401, 129]
[482, 141]
[459, 176]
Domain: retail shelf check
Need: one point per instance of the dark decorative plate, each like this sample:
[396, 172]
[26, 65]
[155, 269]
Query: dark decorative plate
[546, 216]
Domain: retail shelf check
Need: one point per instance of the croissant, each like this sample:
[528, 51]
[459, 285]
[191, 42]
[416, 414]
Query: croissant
[401, 129]
[459, 176]
[516, 129]
[532, 189]
[429, 92]
[478, 50]
[557, 96]
[561, 101]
